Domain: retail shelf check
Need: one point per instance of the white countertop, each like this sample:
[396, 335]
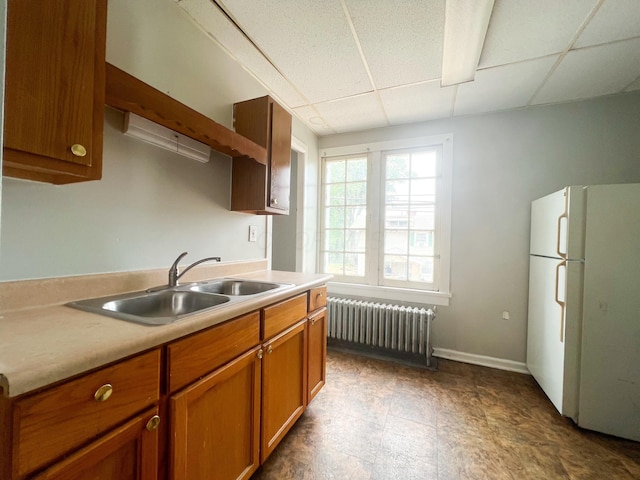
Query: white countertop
[41, 346]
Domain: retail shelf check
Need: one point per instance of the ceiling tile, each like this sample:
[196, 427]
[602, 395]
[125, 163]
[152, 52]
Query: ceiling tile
[313, 48]
[310, 117]
[416, 103]
[593, 71]
[504, 87]
[401, 39]
[209, 18]
[354, 113]
[525, 29]
[615, 20]
[634, 86]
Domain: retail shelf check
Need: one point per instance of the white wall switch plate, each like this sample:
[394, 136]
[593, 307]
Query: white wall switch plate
[253, 233]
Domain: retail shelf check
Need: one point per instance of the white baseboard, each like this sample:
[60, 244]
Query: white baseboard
[482, 360]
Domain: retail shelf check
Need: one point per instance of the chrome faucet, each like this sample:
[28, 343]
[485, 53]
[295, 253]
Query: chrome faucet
[174, 274]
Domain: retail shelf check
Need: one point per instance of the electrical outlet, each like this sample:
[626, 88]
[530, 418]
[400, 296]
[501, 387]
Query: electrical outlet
[505, 315]
[253, 233]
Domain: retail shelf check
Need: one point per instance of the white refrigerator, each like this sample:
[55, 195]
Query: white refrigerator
[583, 338]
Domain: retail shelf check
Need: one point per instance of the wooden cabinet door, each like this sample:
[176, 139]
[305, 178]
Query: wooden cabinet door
[280, 158]
[129, 452]
[215, 424]
[284, 384]
[54, 97]
[316, 352]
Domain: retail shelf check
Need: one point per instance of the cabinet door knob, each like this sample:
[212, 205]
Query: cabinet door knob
[270, 349]
[313, 321]
[78, 150]
[260, 354]
[153, 423]
[103, 393]
[274, 201]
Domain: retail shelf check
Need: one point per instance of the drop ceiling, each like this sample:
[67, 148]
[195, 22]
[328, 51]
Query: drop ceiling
[350, 65]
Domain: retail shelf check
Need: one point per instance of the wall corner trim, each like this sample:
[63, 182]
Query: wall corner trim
[482, 360]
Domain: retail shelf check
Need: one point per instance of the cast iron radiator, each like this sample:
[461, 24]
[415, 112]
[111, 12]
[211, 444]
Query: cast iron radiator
[383, 327]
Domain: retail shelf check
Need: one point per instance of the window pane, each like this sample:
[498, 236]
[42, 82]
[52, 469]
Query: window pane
[334, 194]
[356, 193]
[421, 243]
[423, 190]
[356, 217]
[356, 169]
[335, 171]
[397, 165]
[334, 240]
[396, 218]
[395, 241]
[335, 216]
[423, 218]
[395, 267]
[333, 263]
[355, 241]
[397, 191]
[354, 264]
[421, 269]
[423, 164]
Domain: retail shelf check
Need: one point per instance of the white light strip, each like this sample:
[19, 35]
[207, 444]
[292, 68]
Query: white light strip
[465, 27]
[150, 132]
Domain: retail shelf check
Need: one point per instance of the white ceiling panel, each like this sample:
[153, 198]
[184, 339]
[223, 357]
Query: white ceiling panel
[615, 20]
[525, 29]
[593, 71]
[416, 103]
[401, 39]
[504, 87]
[310, 42]
[310, 116]
[344, 114]
[634, 86]
[207, 16]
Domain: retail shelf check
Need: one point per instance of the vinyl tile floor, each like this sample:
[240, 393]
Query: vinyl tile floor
[378, 420]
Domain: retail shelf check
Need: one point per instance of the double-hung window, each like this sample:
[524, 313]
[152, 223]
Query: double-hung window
[385, 219]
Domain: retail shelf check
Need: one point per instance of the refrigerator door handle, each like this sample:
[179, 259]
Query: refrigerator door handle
[562, 264]
[564, 215]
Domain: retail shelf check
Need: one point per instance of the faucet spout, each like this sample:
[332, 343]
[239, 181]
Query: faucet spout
[175, 274]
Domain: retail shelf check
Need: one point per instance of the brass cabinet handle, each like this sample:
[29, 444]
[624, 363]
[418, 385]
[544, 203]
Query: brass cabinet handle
[153, 423]
[103, 393]
[270, 349]
[319, 295]
[313, 321]
[260, 354]
[78, 150]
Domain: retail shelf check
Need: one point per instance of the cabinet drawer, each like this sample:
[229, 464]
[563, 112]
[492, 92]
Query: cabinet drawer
[317, 298]
[282, 315]
[193, 357]
[55, 421]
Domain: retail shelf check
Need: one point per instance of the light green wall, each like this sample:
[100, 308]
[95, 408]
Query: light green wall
[501, 163]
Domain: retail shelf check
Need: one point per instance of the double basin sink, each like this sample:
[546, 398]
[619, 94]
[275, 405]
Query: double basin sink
[168, 305]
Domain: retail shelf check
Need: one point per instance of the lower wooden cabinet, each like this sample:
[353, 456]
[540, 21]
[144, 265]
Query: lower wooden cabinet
[316, 352]
[284, 384]
[129, 452]
[215, 423]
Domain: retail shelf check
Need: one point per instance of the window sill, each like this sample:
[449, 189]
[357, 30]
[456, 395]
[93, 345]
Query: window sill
[423, 297]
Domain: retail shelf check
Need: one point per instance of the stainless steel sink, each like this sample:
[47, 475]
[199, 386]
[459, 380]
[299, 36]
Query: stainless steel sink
[235, 287]
[157, 308]
[161, 307]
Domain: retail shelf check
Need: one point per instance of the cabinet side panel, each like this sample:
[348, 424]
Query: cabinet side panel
[250, 119]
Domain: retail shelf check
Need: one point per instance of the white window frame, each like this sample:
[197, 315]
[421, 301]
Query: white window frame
[369, 286]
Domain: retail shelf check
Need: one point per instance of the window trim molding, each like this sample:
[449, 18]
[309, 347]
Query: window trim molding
[444, 222]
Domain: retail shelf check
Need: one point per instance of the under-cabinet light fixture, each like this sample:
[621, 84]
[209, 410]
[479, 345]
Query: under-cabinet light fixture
[139, 127]
[465, 28]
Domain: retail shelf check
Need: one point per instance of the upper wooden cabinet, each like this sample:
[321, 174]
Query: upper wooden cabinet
[54, 90]
[262, 189]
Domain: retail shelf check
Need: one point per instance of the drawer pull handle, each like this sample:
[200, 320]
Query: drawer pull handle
[270, 349]
[319, 295]
[260, 354]
[103, 393]
[153, 423]
[78, 150]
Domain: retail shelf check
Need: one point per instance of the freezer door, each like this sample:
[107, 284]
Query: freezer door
[610, 373]
[555, 301]
[557, 224]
